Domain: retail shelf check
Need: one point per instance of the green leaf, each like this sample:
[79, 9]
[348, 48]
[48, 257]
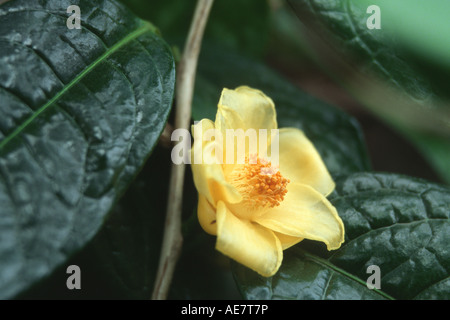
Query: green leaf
[345, 25]
[81, 112]
[401, 68]
[122, 259]
[398, 223]
[336, 135]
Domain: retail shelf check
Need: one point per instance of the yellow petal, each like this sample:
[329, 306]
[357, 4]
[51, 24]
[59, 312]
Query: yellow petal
[305, 213]
[208, 174]
[206, 215]
[240, 115]
[200, 128]
[301, 163]
[248, 243]
[245, 108]
[204, 132]
[287, 241]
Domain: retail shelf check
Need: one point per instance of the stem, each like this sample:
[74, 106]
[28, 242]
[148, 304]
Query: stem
[165, 138]
[173, 239]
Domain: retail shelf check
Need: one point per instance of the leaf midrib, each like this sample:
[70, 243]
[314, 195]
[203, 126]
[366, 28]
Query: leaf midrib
[331, 266]
[131, 36]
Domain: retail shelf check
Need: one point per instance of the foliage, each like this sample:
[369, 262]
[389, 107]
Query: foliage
[84, 182]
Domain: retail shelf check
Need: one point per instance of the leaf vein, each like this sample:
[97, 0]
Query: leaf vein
[433, 284]
[80, 76]
[329, 265]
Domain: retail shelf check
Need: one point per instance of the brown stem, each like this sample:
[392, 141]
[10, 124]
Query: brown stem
[164, 139]
[173, 239]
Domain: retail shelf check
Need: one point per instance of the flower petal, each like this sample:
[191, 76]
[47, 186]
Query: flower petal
[200, 128]
[207, 171]
[241, 115]
[301, 163]
[248, 243]
[305, 213]
[245, 108]
[206, 215]
[287, 241]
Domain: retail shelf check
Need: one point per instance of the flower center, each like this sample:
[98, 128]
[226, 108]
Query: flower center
[260, 183]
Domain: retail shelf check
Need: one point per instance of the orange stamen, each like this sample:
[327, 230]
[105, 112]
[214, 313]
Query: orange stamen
[260, 183]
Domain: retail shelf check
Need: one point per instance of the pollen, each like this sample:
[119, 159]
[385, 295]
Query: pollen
[260, 183]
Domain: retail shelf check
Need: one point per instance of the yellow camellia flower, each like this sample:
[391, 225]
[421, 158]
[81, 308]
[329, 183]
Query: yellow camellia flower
[255, 211]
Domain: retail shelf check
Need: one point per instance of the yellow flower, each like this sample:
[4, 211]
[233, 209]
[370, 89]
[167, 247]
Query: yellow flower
[256, 211]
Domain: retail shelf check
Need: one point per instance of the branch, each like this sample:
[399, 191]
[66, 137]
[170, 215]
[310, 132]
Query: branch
[165, 138]
[173, 239]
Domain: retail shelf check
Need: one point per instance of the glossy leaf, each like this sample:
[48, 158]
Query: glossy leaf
[397, 223]
[121, 260]
[81, 110]
[336, 135]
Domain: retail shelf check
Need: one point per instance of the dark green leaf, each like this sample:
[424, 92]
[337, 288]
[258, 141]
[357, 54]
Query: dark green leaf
[398, 223]
[402, 67]
[81, 111]
[336, 135]
[121, 260]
